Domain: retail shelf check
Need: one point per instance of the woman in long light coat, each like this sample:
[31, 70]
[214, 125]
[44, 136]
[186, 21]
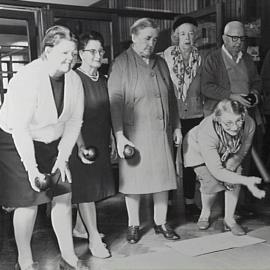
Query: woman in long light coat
[144, 115]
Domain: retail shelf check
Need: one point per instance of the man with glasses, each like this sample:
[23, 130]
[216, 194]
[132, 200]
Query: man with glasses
[229, 72]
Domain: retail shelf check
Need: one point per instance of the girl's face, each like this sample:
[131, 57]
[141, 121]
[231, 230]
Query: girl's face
[186, 34]
[231, 123]
[61, 56]
[92, 54]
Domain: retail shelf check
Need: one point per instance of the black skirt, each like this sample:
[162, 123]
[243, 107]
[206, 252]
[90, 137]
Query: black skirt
[15, 189]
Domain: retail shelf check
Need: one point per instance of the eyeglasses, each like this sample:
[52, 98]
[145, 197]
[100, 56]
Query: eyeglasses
[239, 123]
[236, 38]
[95, 52]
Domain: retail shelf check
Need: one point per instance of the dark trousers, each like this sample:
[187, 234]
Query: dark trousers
[266, 143]
[189, 177]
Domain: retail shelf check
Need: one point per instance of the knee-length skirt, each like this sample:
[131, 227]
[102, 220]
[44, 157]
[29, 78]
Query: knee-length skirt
[15, 189]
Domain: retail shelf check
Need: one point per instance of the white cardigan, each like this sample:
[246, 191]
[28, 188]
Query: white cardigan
[29, 112]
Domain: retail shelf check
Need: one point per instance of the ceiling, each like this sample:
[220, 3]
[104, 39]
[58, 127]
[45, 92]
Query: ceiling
[67, 2]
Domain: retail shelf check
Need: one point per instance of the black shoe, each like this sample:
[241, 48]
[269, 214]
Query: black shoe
[133, 234]
[166, 231]
[192, 210]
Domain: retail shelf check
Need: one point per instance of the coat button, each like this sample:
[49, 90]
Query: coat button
[153, 74]
[157, 95]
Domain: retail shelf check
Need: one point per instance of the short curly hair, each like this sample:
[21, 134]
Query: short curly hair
[231, 106]
[141, 24]
[86, 37]
[55, 34]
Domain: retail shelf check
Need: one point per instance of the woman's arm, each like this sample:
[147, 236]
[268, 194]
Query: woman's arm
[208, 143]
[21, 104]
[116, 96]
[117, 100]
[72, 125]
[71, 131]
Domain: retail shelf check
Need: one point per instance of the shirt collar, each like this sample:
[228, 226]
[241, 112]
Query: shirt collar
[239, 57]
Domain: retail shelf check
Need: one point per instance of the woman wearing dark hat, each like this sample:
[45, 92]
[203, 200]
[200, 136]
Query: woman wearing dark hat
[185, 62]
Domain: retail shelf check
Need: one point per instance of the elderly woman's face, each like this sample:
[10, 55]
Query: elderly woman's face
[231, 123]
[186, 34]
[92, 54]
[145, 40]
[61, 56]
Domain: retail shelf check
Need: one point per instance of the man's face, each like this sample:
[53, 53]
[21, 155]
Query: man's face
[234, 40]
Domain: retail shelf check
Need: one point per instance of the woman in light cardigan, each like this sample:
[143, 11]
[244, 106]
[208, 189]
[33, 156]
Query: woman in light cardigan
[39, 124]
[215, 150]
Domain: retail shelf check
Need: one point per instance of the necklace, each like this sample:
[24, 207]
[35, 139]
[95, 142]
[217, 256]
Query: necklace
[92, 77]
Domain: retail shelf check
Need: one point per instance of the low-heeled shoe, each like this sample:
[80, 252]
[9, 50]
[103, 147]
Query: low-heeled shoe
[33, 266]
[99, 250]
[166, 231]
[203, 223]
[235, 228]
[64, 265]
[133, 234]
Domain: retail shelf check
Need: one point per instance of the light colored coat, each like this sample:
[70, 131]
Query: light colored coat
[29, 112]
[202, 146]
[143, 106]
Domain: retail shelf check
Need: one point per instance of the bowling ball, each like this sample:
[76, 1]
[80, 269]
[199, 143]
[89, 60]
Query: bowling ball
[91, 154]
[251, 98]
[43, 183]
[129, 151]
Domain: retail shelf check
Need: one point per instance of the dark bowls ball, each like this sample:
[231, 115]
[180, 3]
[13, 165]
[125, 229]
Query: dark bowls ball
[251, 98]
[129, 151]
[92, 153]
[43, 183]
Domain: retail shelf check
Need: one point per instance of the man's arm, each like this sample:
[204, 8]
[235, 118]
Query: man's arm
[211, 87]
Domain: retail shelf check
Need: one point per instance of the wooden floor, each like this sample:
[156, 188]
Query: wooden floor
[112, 219]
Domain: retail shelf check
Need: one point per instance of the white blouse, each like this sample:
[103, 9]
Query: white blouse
[29, 112]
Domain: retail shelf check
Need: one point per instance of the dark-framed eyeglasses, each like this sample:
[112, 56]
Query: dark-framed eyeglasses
[95, 52]
[229, 124]
[236, 38]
